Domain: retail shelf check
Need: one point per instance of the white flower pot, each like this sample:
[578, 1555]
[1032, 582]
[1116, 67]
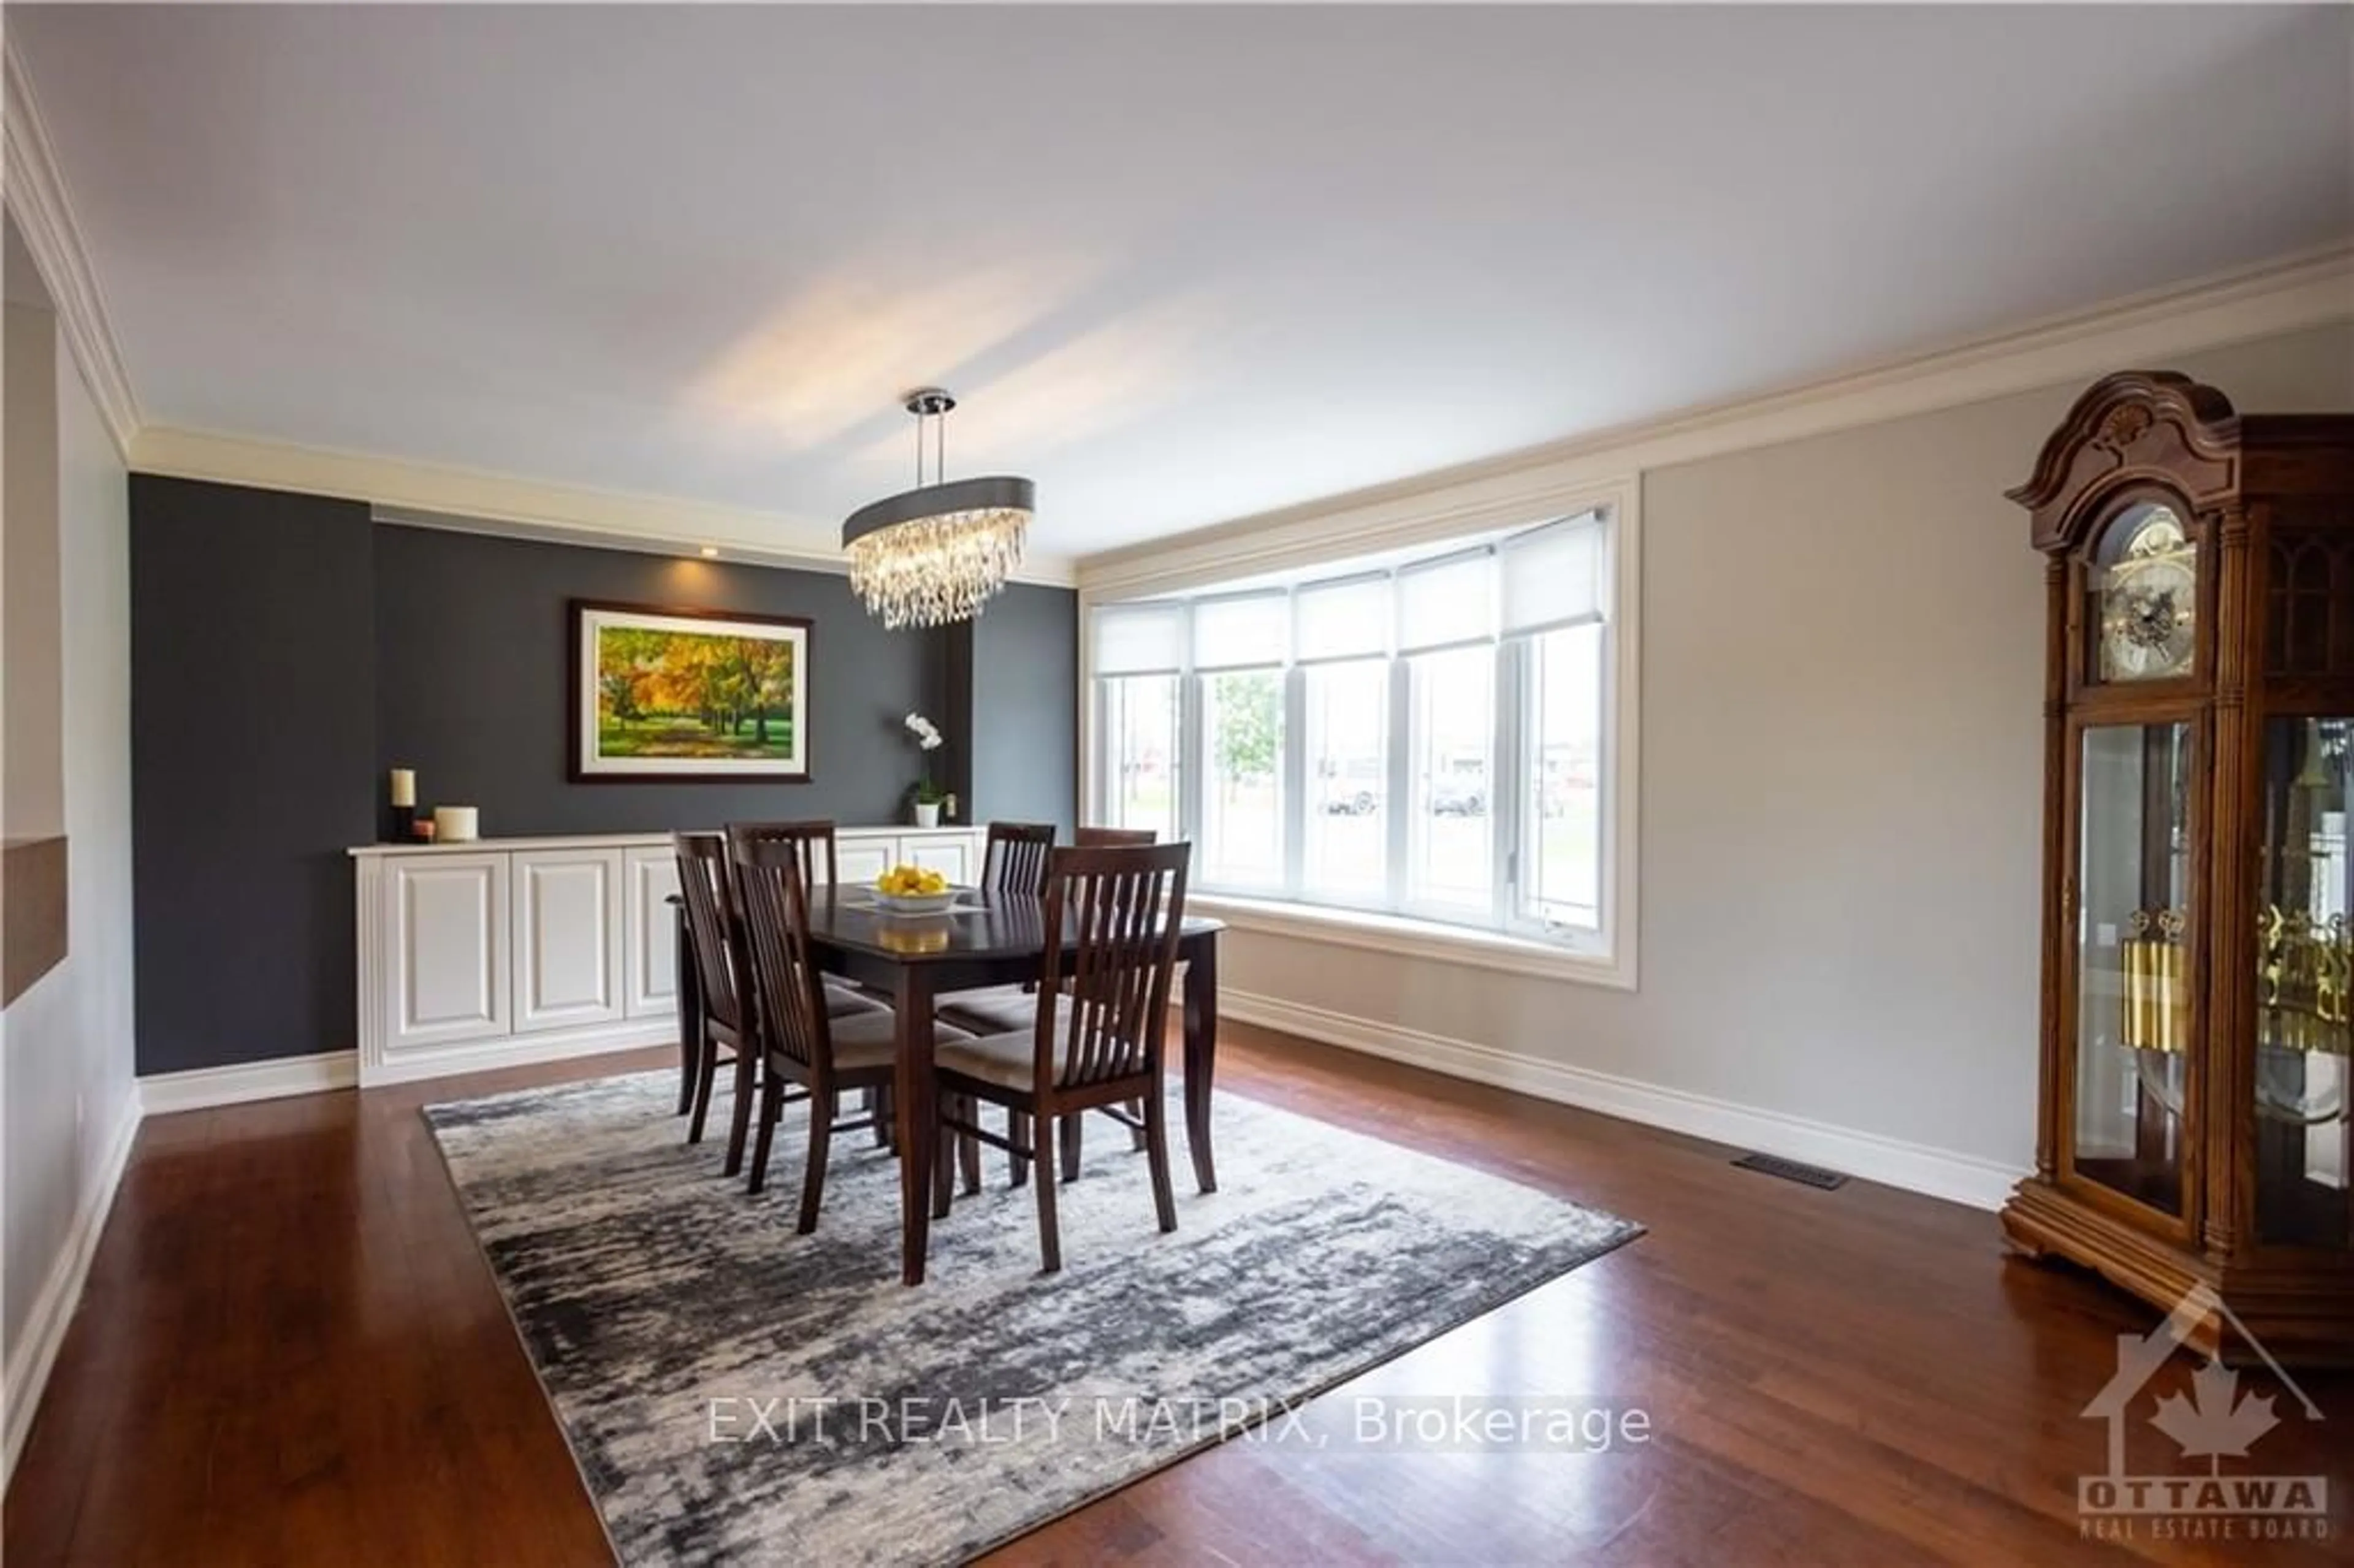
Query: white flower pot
[927, 813]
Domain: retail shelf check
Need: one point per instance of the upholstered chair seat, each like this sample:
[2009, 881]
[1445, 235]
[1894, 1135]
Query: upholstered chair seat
[1008, 1060]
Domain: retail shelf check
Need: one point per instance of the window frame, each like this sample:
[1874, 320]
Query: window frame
[1196, 713]
[1529, 829]
[1099, 700]
[1296, 846]
[1403, 752]
[1508, 940]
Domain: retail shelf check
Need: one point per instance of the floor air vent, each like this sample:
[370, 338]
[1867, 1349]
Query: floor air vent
[1791, 1171]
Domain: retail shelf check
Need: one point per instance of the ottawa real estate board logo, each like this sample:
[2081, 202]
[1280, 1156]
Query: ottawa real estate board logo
[2215, 1419]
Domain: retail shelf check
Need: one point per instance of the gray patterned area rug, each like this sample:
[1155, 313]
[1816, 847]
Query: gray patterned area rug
[736, 1393]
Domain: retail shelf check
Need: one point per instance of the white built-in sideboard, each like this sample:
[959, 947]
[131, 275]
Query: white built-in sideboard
[512, 951]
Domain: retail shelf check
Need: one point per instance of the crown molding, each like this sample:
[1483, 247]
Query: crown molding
[2309, 289]
[474, 501]
[35, 194]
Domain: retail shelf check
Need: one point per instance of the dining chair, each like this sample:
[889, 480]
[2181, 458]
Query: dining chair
[805, 1045]
[1000, 1009]
[725, 1000]
[1102, 838]
[1013, 860]
[1109, 838]
[812, 839]
[1102, 1020]
[814, 845]
[1014, 857]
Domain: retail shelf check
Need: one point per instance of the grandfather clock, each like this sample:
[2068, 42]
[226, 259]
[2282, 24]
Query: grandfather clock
[2199, 890]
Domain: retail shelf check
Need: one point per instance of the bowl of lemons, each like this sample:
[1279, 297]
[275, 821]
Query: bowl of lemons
[912, 890]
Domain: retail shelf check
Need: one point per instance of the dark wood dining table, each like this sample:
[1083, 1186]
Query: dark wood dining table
[994, 938]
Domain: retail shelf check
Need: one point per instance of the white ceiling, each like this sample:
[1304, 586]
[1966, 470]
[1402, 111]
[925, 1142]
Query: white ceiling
[1181, 265]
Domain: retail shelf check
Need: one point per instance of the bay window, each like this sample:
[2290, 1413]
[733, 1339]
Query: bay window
[1427, 739]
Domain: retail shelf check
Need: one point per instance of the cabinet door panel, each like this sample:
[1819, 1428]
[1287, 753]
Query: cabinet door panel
[952, 857]
[650, 931]
[448, 921]
[567, 938]
[863, 860]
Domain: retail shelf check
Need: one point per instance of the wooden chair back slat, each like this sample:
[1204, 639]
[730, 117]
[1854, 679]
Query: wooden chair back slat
[1121, 907]
[772, 888]
[708, 892]
[1114, 838]
[812, 839]
[1015, 858]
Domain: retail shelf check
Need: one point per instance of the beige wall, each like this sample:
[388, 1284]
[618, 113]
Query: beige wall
[67, 1098]
[32, 790]
[1842, 689]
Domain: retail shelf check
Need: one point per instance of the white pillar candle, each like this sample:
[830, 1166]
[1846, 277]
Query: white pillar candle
[403, 786]
[456, 825]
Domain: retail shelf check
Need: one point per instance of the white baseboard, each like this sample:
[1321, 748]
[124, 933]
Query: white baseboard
[160, 1094]
[1937, 1172]
[53, 1310]
[521, 1050]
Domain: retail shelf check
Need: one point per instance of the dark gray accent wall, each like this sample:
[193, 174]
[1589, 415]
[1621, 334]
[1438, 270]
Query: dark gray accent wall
[286, 651]
[474, 635]
[1025, 682]
[253, 669]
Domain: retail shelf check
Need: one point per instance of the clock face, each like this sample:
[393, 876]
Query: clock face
[2146, 598]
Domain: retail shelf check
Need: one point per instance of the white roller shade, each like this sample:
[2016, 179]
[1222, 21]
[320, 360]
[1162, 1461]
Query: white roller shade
[1445, 602]
[1244, 630]
[1349, 618]
[1139, 638]
[1552, 576]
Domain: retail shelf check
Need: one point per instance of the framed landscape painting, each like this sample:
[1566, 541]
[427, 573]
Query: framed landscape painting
[687, 693]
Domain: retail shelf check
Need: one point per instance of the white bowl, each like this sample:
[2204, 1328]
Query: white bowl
[915, 903]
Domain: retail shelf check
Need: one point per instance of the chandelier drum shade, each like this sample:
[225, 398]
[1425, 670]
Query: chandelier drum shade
[935, 553]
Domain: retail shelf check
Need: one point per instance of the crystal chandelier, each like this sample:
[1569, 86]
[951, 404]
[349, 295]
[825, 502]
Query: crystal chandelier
[932, 555]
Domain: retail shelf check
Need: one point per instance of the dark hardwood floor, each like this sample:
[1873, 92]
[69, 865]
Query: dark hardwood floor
[291, 1352]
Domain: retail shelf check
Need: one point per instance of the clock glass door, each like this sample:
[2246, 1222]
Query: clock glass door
[2304, 1043]
[2134, 1005]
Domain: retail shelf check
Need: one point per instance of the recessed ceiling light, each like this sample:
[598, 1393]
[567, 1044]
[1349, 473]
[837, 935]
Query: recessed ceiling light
[710, 552]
